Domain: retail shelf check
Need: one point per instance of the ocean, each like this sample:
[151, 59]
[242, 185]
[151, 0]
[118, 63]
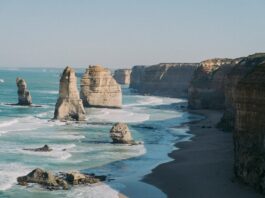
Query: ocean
[86, 147]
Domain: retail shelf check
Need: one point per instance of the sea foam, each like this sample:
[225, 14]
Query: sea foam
[9, 174]
[116, 115]
[99, 191]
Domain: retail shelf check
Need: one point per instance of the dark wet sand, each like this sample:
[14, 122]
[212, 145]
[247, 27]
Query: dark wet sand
[203, 167]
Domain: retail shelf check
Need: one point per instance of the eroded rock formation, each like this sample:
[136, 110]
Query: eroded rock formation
[121, 134]
[24, 97]
[249, 135]
[123, 76]
[207, 88]
[164, 79]
[61, 181]
[100, 89]
[69, 106]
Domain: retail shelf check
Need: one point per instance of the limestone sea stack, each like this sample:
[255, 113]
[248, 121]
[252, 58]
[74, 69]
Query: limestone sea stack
[24, 97]
[249, 132]
[164, 79]
[123, 76]
[121, 134]
[69, 106]
[245, 66]
[100, 89]
[206, 90]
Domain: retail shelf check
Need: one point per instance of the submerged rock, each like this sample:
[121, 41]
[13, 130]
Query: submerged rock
[45, 148]
[249, 134]
[44, 178]
[24, 97]
[61, 181]
[100, 89]
[75, 178]
[69, 106]
[120, 134]
[123, 76]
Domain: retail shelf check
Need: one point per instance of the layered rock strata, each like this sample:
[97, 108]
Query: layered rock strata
[69, 106]
[207, 88]
[24, 97]
[249, 135]
[123, 76]
[100, 89]
[245, 66]
[164, 79]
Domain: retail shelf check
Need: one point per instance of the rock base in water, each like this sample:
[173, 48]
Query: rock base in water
[62, 181]
[120, 134]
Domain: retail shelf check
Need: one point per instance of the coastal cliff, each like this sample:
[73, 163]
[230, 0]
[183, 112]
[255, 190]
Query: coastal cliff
[122, 76]
[100, 89]
[69, 106]
[207, 87]
[164, 79]
[24, 97]
[245, 66]
[249, 135]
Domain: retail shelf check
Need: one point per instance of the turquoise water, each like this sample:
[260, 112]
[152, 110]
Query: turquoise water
[85, 146]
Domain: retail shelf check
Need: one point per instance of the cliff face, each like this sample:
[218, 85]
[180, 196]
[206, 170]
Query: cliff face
[249, 135]
[24, 97]
[137, 77]
[100, 89]
[164, 79]
[69, 106]
[122, 76]
[245, 66]
[207, 87]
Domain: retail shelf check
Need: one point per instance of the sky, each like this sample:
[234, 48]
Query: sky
[123, 33]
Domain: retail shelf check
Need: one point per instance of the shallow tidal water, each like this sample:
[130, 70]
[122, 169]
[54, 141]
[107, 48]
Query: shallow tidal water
[157, 121]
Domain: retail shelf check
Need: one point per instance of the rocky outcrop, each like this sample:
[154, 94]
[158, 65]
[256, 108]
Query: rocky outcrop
[69, 106]
[45, 148]
[164, 79]
[100, 89]
[249, 135]
[207, 88]
[123, 76]
[245, 66]
[120, 133]
[24, 97]
[61, 181]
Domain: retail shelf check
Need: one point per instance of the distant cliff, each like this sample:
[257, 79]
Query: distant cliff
[164, 79]
[207, 88]
[249, 135]
[122, 76]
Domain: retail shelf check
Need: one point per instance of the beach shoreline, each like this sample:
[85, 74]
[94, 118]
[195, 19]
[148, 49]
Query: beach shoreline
[203, 166]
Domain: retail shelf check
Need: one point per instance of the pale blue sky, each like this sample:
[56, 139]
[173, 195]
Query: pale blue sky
[122, 33]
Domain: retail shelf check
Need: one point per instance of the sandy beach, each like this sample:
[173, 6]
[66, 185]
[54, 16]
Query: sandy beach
[202, 167]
